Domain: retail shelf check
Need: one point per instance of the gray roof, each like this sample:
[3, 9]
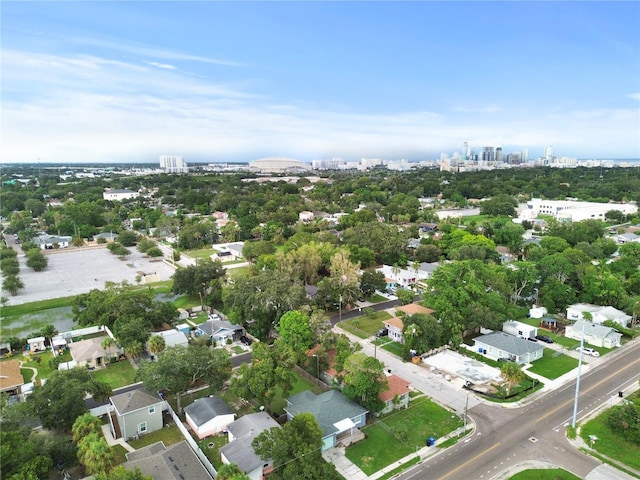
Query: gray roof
[245, 429]
[210, 327]
[207, 408]
[328, 408]
[595, 329]
[134, 400]
[508, 343]
[175, 462]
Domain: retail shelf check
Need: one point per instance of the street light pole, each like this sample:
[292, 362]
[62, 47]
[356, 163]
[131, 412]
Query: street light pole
[575, 403]
[317, 367]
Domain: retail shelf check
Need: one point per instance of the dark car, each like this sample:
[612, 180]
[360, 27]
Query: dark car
[245, 340]
[544, 338]
[383, 332]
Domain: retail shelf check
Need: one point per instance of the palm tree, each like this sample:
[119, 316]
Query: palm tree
[95, 454]
[85, 425]
[512, 373]
[48, 332]
[133, 350]
[107, 344]
[156, 344]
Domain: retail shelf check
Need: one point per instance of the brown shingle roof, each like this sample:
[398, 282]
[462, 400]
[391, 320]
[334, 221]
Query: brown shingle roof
[10, 376]
[414, 308]
[395, 322]
[397, 386]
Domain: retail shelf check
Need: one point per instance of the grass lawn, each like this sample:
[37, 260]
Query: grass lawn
[278, 403]
[376, 298]
[610, 444]
[213, 452]
[546, 474]
[186, 301]
[393, 347]
[31, 307]
[553, 364]
[400, 433]
[42, 362]
[234, 273]
[119, 453]
[365, 326]
[168, 436]
[201, 253]
[116, 375]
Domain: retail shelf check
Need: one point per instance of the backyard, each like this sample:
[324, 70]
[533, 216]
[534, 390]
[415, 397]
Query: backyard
[116, 374]
[401, 433]
[365, 325]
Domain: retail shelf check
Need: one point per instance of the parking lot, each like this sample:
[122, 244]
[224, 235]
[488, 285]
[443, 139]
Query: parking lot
[75, 271]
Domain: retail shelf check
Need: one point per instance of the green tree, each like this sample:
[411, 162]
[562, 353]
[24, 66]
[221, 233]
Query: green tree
[20, 459]
[512, 373]
[156, 344]
[371, 281]
[231, 471]
[252, 250]
[422, 333]
[84, 425]
[12, 284]
[295, 331]
[61, 399]
[95, 454]
[499, 205]
[271, 369]
[296, 450]
[121, 473]
[364, 380]
[203, 279]
[128, 238]
[10, 266]
[108, 343]
[180, 368]
[405, 296]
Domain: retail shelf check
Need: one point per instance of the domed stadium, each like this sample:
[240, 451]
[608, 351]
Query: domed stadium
[279, 165]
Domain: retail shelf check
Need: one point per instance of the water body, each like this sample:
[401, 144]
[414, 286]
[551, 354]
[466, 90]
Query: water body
[24, 325]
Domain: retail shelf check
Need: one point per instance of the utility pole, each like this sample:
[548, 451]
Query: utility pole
[575, 403]
[466, 408]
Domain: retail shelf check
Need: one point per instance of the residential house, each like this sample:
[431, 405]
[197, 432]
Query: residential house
[89, 353]
[397, 396]
[5, 348]
[36, 344]
[597, 335]
[427, 227]
[627, 237]
[228, 252]
[208, 416]
[175, 462]
[50, 242]
[135, 413]
[11, 379]
[339, 418]
[537, 312]
[395, 326]
[519, 329]
[58, 344]
[413, 309]
[173, 338]
[239, 449]
[599, 314]
[220, 330]
[397, 277]
[305, 216]
[502, 346]
[116, 195]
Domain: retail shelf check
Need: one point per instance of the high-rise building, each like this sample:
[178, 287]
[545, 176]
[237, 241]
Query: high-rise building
[173, 164]
[465, 151]
[548, 153]
[499, 155]
[488, 154]
[525, 155]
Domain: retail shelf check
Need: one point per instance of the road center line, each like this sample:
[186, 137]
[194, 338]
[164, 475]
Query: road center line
[470, 461]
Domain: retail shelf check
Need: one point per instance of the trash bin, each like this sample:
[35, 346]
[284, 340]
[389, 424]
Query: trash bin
[620, 394]
[431, 441]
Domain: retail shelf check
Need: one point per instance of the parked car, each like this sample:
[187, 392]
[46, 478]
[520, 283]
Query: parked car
[383, 332]
[589, 351]
[544, 338]
[531, 339]
[245, 340]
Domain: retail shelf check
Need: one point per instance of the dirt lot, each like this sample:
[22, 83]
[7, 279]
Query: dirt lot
[75, 271]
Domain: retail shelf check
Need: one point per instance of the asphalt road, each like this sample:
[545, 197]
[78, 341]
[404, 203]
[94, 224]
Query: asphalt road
[536, 432]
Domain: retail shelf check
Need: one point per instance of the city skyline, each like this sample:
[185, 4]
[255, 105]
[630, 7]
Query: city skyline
[237, 81]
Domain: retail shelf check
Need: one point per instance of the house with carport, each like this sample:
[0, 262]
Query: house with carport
[208, 416]
[135, 413]
[239, 450]
[502, 346]
[340, 419]
[596, 335]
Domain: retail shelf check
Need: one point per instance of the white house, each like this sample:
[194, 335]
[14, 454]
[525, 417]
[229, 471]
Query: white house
[519, 329]
[599, 314]
[50, 242]
[173, 338]
[36, 344]
[208, 416]
[597, 335]
[500, 345]
[572, 210]
[537, 312]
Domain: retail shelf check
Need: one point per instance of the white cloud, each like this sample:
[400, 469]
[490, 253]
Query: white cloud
[89, 108]
[635, 96]
[166, 66]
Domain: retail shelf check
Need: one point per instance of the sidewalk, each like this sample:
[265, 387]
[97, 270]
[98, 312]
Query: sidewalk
[106, 431]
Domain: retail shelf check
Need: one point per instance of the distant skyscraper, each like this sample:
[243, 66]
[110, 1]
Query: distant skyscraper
[548, 153]
[499, 155]
[465, 151]
[488, 154]
[525, 155]
[173, 164]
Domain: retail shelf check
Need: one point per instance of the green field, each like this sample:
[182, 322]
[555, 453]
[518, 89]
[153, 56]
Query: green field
[365, 326]
[553, 364]
[547, 474]
[401, 433]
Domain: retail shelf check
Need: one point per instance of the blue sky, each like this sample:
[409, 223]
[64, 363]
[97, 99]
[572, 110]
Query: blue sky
[236, 81]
